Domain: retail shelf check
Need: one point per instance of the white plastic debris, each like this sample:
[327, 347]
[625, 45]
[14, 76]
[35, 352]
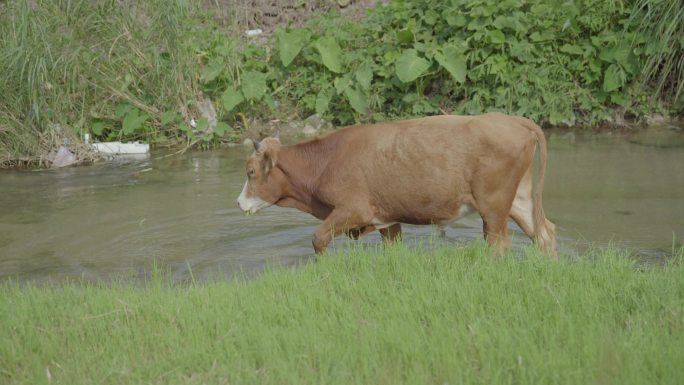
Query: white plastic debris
[253, 32]
[118, 148]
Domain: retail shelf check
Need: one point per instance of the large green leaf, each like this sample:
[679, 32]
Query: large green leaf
[455, 19]
[134, 121]
[212, 70]
[451, 59]
[618, 53]
[202, 124]
[98, 127]
[323, 101]
[364, 75]
[410, 66]
[622, 55]
[221, 128]
[431, 16]
[496, 37]
[331, 53]
[405, 36]
[231, 98]
[290, 43]
[572, 49]
[253, 85]
[169, 117]
[614, 78]
[122, 109]
[357, 99]
[341, 83]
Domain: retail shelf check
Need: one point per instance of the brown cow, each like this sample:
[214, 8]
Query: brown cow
[423, 171]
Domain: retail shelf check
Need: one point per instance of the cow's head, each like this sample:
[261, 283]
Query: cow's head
[265, 184]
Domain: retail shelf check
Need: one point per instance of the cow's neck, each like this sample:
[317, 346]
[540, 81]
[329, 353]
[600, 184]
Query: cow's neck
[303, 165]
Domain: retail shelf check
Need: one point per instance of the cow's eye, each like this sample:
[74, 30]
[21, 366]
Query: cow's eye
[250, 173]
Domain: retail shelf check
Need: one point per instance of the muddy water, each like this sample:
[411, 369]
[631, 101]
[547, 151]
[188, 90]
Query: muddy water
[618, 188]
[120, 218]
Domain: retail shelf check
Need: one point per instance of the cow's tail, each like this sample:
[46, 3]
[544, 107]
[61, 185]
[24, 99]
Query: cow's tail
[544, 230]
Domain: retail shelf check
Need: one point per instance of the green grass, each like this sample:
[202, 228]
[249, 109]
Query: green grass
[400, 315]
[662, 24]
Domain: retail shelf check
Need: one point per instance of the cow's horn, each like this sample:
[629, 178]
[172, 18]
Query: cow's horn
[256, 144]
[277, 134]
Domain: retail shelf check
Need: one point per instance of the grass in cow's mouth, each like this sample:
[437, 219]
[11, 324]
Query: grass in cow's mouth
[395, 315]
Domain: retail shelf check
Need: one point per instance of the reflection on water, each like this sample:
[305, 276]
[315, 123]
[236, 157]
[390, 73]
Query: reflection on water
[179, 212]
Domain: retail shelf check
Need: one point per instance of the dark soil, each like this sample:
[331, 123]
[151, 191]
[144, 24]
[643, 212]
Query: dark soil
[268, 14]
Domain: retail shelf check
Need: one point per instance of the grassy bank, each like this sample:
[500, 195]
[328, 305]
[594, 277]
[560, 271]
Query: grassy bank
[366, 317]
[112, 69]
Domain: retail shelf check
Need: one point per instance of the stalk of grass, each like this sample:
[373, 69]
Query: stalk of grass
[662, 22]
[396, 315]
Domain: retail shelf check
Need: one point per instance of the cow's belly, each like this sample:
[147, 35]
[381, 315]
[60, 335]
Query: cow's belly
[426, 217]
[464, 210]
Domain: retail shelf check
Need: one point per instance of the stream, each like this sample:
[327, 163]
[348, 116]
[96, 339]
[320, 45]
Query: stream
[120, 218]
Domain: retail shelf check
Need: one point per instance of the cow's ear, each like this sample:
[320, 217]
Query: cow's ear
[270, 158]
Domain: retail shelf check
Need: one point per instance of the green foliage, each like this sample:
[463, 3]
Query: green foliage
[81, 63]
[331, 53]
[357, 99]
[452, 60]
[231, 98]
[134, 121]
[409, 66]
[290, 43]
[254, 85]
[554, 62]
[170, 117]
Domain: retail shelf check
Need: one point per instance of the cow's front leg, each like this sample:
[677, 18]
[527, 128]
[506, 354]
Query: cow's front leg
[338, 222]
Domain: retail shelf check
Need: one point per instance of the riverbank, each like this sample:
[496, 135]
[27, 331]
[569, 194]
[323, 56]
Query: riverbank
[396, 315]
[201, 73]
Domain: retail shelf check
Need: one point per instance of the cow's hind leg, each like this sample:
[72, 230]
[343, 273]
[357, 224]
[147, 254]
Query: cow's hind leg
[494, 210]
[521, 210]
[496, 232]
[391, 233]
[522, 214]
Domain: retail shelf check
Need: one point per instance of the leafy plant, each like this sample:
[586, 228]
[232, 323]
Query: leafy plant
[125, 72]
[331, 53]
[134, 121]
[291, 42]
[553, 62]
[409, 66]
